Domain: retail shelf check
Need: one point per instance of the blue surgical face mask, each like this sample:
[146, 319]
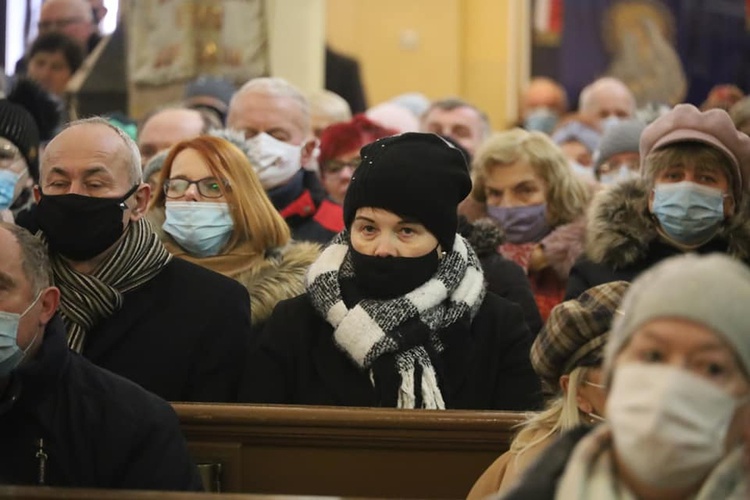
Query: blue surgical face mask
[11, 355]
[622, 174]
[541, 120]
[522, 224]
[689, 213]
[8, 181]
[201, 228]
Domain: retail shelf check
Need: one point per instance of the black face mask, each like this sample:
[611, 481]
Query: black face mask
[81, 227]
[389, 277]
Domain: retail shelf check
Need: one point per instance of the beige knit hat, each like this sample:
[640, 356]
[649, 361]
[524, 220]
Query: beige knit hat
[712, 290]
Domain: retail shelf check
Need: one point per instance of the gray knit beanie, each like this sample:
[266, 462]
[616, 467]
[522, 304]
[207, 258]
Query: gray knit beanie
[623, 137]
[712, 290]
[155, 164]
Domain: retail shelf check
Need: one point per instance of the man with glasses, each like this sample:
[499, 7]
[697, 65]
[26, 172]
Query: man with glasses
[74, 18]
[175, 328]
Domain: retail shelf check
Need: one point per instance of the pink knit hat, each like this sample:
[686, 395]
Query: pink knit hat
[685, 123]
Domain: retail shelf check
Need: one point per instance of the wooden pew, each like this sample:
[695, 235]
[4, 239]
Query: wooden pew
[51, 493]
[358, 452]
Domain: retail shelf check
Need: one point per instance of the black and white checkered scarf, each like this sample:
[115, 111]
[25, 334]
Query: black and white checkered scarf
[398, 338]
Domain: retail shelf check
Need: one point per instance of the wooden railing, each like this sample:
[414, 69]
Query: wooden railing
[355, 452]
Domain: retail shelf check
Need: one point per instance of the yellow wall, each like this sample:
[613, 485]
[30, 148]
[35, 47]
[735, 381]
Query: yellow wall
[475, 49]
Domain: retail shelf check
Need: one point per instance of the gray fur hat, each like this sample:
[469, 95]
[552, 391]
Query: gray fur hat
[623, 137]
[712, 290]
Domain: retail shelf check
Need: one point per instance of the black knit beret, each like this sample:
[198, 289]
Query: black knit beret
[415, 175]
[19, 127]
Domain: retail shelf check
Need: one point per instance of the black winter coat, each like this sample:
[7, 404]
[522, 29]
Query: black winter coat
[622, 239]
[97, 430]
[183, 335]
[484, 367]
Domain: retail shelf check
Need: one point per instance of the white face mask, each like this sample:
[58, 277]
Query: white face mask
[621, 174]
[278, 161]
[668, 425]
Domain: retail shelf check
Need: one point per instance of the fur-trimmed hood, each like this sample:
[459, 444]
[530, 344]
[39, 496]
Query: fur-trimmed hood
[620, 228]
[484, 235]
[278, 275]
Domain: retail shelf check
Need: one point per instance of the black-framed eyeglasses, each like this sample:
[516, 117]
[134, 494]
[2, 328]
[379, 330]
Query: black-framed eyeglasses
[336, 166]
[208, 187]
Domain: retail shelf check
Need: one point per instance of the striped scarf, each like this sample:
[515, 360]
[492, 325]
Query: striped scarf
[87, 299]
[397, 340]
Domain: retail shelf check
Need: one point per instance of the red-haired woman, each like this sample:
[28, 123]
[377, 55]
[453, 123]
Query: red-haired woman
[339, 158]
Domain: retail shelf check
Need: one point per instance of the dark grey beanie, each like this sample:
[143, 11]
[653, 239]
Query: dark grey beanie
[622, 137]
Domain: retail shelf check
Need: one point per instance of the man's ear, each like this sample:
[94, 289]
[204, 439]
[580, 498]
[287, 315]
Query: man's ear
[50, 300]
[306, 155]
[141, 197]
[37, 193]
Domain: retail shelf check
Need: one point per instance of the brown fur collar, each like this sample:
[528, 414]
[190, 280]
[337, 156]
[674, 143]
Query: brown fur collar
[279, 276]
[620, 227]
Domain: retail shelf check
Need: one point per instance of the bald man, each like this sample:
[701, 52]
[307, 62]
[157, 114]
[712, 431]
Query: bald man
[542, 104]
[166, 127]
[74, 18]
[607, 101]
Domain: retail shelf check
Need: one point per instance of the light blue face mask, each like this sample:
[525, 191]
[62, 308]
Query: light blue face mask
[622, 174]
[541, 120]
[688, 212]
[11, 355]
[201, 228]
[8, 181]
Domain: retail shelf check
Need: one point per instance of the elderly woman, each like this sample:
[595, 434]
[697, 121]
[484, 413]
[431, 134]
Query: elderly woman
[212, 211]
[693, 197]
[676, 371]
[567, 355]
[534, 196]
[395, 313]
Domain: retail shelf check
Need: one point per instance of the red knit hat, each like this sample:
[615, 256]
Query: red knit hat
[341, 138]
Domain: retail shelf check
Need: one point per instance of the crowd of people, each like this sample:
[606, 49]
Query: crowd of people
[253, 244]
